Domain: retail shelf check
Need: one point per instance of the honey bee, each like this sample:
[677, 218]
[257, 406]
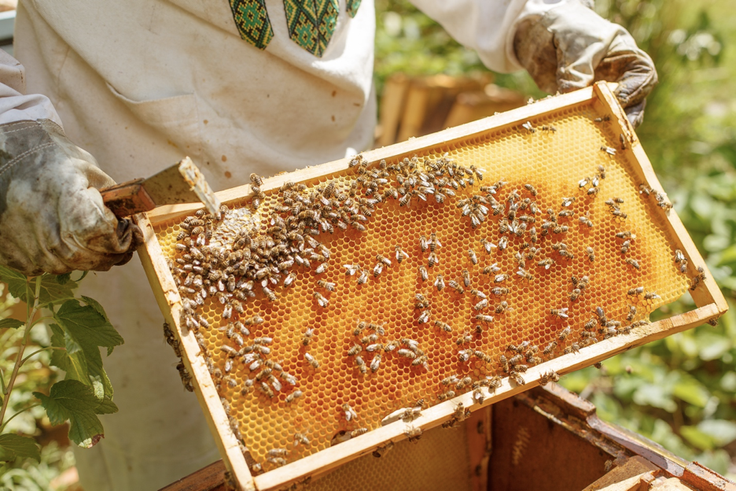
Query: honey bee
[478, 293]
[516, 378]
[369, 339]
[349, 412]
[633, 262]
[326, 285]
[500, 278]
[413, 434]
[355, 350]
[266, 389]
[311, 360]
[455, 286]
[384, 260]
[363, 277]
[439, 283]
[423, 317]
[619, 213]
[361, 365]
[500, 291]
[464, 355]
[573, 348]
[650, 296]
[300, 438]
[400, 254]
[548, 377]
[375, 363]
[636, 291]
[550, 348]
[504, 363]
[590, 324]
[422, 302]
[423, 243]
[466, 278]
[493, 268]
[423, 273]
[679, 256]
[591, 254]
[481, 305]
[530, 188]
[351, 269]
[503, 243]
[406, 353]
[378, 269]
[528, 127]
[561, 313]
[525, 274]
[546, 263]
[608, 150]
[625, 247]
[321, 300]
[487, 245]
[564, 334]
[443, 326]
[432, 259]
[472, 256]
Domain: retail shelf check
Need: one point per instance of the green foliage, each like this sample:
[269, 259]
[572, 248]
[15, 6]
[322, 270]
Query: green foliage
[79, 328]
[680, 391]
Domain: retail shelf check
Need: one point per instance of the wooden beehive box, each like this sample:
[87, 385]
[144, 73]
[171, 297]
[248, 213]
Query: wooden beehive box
[576, 145]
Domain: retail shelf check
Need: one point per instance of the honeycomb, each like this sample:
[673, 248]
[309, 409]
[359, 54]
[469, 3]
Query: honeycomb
[437, 461]
[562, 155]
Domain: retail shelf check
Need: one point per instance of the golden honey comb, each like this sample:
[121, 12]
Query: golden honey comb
[553, 162]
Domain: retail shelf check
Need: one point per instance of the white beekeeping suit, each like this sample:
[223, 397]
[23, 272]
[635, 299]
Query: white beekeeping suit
[240, 86]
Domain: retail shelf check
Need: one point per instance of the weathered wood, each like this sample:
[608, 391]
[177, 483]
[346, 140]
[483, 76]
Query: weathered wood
[708, 298]
[210, 478]
[634, 467]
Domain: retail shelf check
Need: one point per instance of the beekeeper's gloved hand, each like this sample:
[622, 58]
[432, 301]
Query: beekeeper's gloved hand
[52, 218]
[570, 47]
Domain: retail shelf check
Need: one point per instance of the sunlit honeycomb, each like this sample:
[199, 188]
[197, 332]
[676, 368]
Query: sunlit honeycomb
[553, 162]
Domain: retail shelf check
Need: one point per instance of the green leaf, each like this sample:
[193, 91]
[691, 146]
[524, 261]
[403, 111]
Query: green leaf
[711, 345]
[15, 446]
[697, 438]
[96, 305]
[721, 431]
[53, 292]
[86, 325]
[654, 395]
[691, 391]
[63, 278]
[73, 401]
[16, 282]
[106, 407]
[11, 324]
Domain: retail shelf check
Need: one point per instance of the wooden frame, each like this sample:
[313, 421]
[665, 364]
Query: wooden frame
[708, 298]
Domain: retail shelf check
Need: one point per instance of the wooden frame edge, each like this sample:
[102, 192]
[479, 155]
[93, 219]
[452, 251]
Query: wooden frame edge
[702, 296]
[169, 303]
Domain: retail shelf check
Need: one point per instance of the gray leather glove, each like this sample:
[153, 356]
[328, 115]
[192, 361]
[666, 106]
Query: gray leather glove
[52, 218]
[570, 47]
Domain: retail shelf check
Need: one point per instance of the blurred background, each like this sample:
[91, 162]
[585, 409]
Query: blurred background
[680, 391]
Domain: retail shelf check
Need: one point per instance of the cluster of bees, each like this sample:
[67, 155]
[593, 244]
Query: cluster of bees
[265, 262]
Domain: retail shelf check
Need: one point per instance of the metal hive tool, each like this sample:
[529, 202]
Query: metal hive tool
[565, 306]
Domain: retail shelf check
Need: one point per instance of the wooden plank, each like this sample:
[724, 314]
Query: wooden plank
[210, 478]
[392, 106]
[167, 296]
[415, 109]
[633, 467]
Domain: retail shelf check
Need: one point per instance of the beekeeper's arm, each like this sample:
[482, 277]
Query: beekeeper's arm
[52, 218]
[563, 44]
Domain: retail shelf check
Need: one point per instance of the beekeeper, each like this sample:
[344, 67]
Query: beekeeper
[246, 86]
